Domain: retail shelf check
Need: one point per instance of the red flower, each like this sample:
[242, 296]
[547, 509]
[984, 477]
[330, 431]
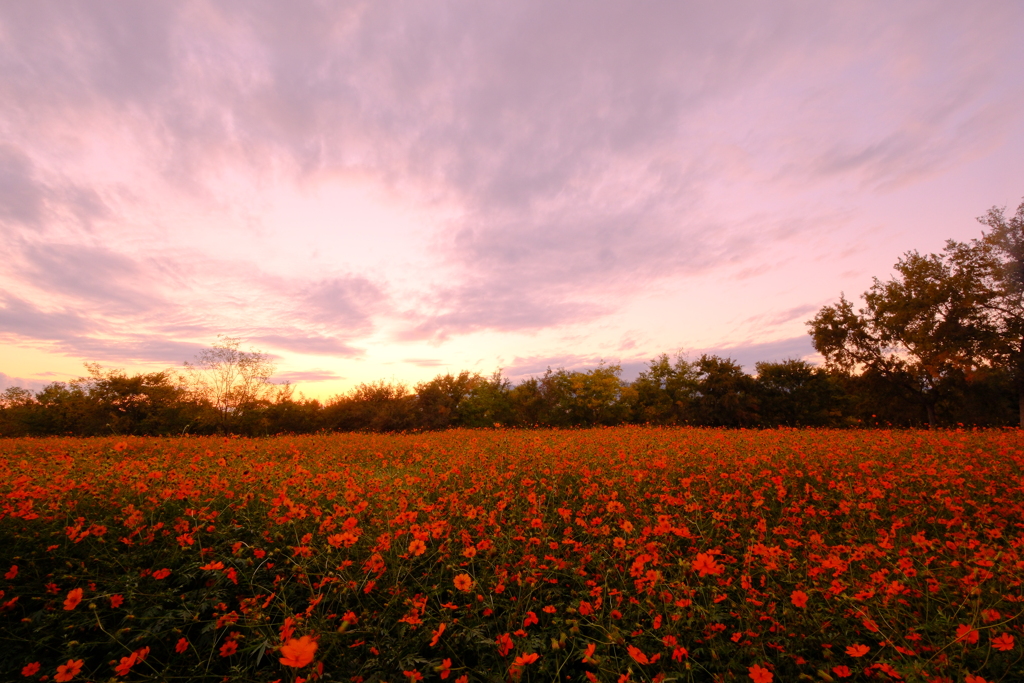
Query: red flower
[966, 633]
[30, 669]
[505, 644]
[446, 669]
[523, 660]
[857, 650]
[161, 573]
[588, 654]
[1003, 642]
[637, 654]
[181, 645]
[65, 672]
[74, 597]
[116, 601]
[298, 653]
[413, 675]
[127, 663]
[759, 674]
[705, 564]
[842, 671]
[437, 635]
[531, 618]
[799, 598]
[229, 648]
[12, 572]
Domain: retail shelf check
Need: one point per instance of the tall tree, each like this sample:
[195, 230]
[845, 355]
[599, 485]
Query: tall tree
[232, 380]
[1002, 252]
[921, 330]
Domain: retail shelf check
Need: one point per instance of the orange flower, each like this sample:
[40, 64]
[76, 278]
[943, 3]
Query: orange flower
[463, 582]
[161, 573]
[126, 664]
[637, 654]
[588, 654]
[65, 672]
[116, 601]
[759, 674]
[417, 547]
[974, 679]
[705, 564]
[229, 648]
[30, 669]
[12, 572]
[799, 598]
[74, 597]
[181, 645]
[857, 650]
[446, 669]
[842, 671]
[298, 653]
[523, 660]
[1003, 642]
[437, 635]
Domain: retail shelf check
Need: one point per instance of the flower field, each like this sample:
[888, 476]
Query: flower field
[613, 555]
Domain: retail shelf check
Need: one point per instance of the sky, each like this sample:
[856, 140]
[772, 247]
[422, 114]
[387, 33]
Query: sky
[395, 190]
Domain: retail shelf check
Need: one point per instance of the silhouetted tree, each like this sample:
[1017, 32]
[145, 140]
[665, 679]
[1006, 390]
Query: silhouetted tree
[1001, 252]
[149, 403]
[724, 394]
[375, 406]
[921, 331]
[794, 393]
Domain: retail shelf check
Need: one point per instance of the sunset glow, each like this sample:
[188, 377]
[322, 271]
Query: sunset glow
[393, 190]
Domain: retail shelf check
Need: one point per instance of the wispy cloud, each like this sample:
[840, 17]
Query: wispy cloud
[560, 163]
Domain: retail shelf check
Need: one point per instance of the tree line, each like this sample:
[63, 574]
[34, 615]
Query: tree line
[940, 343]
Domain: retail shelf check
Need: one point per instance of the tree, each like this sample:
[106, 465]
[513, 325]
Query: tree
[665, 391]
[439, 400]
[139, 404]
[232, 381]
[488, 404]
[921, 331]
[724, 395]
[375, 406]
[18, 407]
[794, 393]
[1001, 252]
